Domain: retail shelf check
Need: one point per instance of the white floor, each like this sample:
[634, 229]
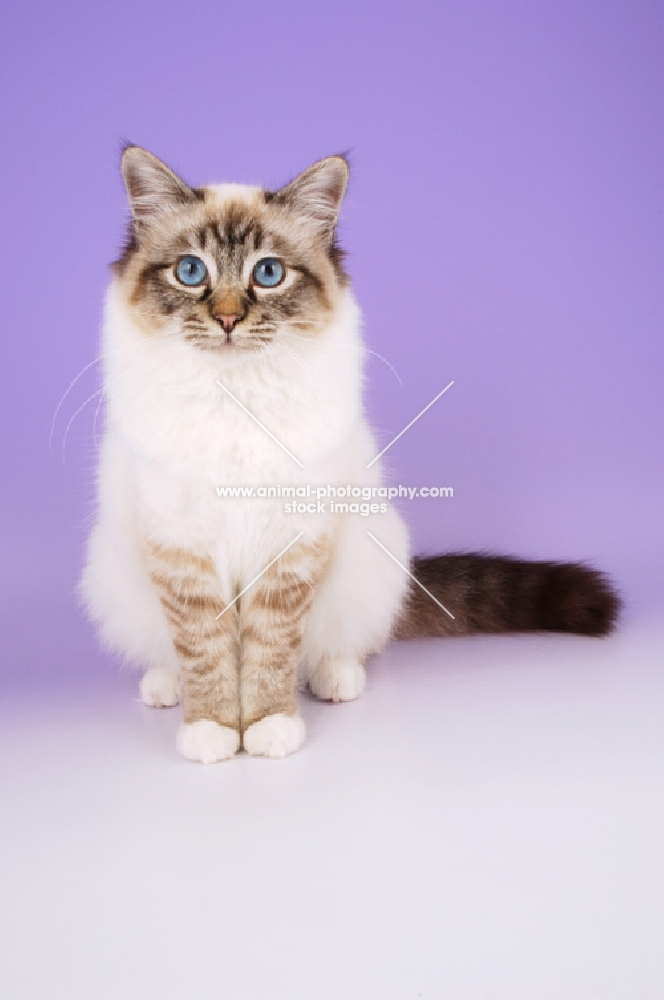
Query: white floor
[486, 822]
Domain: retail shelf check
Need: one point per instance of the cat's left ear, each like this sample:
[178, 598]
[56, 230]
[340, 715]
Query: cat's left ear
[317, 193]
[152, 187]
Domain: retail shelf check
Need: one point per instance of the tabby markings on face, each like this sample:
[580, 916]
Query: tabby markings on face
[227, 267]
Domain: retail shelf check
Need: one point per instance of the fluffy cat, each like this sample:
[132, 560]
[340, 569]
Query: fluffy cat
[232, 352]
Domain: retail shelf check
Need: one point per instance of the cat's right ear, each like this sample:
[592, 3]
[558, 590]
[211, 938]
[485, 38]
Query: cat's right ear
[152, 187]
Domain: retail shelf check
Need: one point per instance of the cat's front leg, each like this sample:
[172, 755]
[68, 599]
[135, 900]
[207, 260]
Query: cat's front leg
[272, 621]
[206, 643]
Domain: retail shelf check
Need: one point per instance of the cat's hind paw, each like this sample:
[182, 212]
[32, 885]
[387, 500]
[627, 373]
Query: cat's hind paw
[274, 736]
[339, 679]
[207, 742]
[160, 688]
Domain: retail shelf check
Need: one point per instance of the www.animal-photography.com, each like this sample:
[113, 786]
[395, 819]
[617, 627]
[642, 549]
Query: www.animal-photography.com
[333, 649]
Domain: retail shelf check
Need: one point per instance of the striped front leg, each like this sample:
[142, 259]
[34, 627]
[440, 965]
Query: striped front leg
[272, 621]
[207, 650]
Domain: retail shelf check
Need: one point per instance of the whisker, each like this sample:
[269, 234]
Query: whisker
[366, 350]
[64, 396]
[94, 425]
[300, 361]
[64, 440]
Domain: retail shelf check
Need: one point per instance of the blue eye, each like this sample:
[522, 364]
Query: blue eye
[268, 272]
[191, 271]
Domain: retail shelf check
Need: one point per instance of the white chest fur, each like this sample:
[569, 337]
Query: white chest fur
[184, 434]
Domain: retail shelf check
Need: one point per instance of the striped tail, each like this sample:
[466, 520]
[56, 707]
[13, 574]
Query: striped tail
[498, 594]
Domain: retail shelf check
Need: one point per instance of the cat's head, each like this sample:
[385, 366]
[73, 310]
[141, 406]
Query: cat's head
[227, 267]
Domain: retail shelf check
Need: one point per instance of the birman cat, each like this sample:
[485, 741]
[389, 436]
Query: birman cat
[233, 356]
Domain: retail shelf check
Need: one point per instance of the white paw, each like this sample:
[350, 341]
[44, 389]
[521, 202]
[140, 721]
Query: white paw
[338, 680]
[206, 741]
[160, 688]
[274, 736]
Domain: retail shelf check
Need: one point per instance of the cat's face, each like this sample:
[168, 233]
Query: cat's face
[229, 268]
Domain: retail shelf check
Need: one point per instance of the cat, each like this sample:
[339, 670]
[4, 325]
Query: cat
[233, 355]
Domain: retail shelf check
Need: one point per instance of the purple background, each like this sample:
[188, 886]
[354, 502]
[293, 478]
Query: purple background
[504, 229]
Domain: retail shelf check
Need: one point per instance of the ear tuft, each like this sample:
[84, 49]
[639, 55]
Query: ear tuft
[151, 186]
[317, 193]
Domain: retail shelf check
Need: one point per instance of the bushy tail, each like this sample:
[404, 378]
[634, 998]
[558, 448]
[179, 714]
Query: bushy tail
[487, 593]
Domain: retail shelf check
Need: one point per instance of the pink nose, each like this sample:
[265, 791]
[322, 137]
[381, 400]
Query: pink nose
[228, 320]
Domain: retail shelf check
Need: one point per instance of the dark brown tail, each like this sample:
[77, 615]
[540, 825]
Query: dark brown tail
[487, 593]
